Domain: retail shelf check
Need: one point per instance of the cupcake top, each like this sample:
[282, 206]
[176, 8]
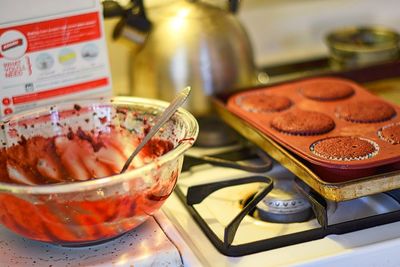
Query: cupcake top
[262, 102]
[303, 122]
[390, 133]
[344, 148]
[326, 90]
[366, 111]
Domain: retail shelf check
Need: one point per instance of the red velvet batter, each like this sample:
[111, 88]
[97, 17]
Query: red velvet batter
[77, 156]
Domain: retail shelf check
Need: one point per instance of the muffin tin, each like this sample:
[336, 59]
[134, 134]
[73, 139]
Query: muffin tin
[361, 142]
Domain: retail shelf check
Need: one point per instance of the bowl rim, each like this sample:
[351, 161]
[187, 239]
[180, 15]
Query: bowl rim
[391, 42]
[81, 186]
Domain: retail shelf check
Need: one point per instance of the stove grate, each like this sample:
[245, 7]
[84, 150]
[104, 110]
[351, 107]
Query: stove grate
[196, 194]
[239, 158]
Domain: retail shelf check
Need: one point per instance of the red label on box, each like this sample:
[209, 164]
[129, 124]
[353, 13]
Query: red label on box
[55, 33]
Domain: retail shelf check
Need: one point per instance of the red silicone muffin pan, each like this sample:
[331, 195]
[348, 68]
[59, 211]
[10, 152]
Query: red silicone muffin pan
[334, 124]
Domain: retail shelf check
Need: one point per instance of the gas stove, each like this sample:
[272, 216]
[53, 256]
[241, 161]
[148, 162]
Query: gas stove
[261, 215]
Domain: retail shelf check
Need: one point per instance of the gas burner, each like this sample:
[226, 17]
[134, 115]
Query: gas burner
[284, 204]
[214, 133]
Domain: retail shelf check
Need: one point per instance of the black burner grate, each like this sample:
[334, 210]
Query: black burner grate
[196, 194]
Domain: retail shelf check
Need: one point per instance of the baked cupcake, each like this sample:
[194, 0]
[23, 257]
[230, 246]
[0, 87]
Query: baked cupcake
[345, 148]
[390, 133]
[368, 111]
[326, 90]
[303, 122]
[263, 102]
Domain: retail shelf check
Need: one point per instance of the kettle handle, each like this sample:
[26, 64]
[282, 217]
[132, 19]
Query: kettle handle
[133, 23]
[233, 5]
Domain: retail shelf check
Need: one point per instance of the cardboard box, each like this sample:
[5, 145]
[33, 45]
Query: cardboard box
[51, 51]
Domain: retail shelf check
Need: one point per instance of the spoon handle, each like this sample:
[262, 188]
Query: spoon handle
[159, 121]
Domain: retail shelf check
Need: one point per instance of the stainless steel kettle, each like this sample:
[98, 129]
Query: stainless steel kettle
[189, 43]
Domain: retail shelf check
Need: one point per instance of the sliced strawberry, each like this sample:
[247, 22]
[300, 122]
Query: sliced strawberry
[19, 175]
[70, 155]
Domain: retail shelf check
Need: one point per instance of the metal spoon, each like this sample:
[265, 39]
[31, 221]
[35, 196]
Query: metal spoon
[159, 121]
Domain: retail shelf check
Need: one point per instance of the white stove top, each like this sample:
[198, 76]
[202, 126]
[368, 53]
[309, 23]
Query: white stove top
[375, 246]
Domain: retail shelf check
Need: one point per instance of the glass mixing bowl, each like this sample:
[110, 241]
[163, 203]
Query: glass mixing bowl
[59, 168]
